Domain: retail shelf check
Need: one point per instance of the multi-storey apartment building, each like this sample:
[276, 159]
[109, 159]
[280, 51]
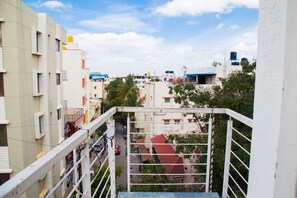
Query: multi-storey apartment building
[31, 121]
[75, 87]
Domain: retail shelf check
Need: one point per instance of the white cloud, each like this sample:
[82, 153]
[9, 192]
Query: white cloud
[218, 16]
[52, 4]
[120, 54]
[220, 26]
[246, 44]
[191, 22]
[233, 27]
[199, 7]
[124, 22]
[124, 53]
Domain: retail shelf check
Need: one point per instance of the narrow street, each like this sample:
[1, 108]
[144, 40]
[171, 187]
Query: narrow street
[122, 159]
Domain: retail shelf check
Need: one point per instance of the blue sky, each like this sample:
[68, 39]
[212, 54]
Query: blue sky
[137, 36]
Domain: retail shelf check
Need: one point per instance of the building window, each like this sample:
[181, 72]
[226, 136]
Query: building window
[166, 122]
[59, 113]
[95, 87]
[4, 177]
[189, 120]
[176, 121]
[58, 79]
[38, 38]
[39, 122]
[3, 135]
[0, 34]
[83, 101]
[95, 95]
[83, 64]
[38, 83]
[58, 45]
[167, 100]
[83, 83]
[1, 85]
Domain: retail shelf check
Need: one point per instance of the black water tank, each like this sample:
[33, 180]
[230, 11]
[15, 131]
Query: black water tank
[233, 55]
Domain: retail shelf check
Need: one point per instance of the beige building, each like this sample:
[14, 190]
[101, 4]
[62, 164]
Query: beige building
[97, 85]
[31, 121]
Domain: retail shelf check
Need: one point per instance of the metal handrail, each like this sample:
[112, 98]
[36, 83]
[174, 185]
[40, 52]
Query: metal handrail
[20, 183]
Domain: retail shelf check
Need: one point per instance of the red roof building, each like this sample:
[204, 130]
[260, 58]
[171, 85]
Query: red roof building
[167, 159]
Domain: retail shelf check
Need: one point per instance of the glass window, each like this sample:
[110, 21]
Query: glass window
[1, 85]
[166, 122]
[58, 45]
[59, 113]
[167, 100]
[3, 135]
[176, 121]
[38, 37]
[58, 79]
[0, 34]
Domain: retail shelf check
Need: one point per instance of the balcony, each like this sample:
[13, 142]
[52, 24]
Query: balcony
[73, 114]
[93, 165]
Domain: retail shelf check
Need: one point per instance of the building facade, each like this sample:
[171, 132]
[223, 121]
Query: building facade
[75, 85]
[31, 120]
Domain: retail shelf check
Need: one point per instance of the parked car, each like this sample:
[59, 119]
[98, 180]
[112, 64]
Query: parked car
[98, 147]
[117, 150]
[125, 134]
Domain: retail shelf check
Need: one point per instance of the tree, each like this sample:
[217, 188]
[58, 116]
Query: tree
[98, 177]
[236, 93]
[122, 92]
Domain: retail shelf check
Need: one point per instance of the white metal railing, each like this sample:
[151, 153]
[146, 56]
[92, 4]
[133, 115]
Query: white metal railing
[235, 180]
[104, 165]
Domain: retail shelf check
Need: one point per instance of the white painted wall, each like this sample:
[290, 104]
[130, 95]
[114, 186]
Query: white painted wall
[273, 166]
[72, 87]
[156, 92]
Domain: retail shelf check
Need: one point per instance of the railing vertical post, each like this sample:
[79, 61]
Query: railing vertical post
[208, 154]
[211, 156]
[75, 176]
[111, 155]
[85, 168]
[128, 153]
[227, 158]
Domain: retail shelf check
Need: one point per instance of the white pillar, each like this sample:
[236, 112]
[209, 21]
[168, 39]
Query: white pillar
[111, 155]
[227, 158]
[273, 166]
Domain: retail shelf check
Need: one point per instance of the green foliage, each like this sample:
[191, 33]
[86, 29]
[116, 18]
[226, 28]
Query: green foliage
[118, 172]
[122, 92]
[236, 93]
[151, 179]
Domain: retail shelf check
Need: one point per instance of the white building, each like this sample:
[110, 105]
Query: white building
[31, 121]
[75, 83]
[208, 76]
[157, 95]
[97, 85]
[140, 80]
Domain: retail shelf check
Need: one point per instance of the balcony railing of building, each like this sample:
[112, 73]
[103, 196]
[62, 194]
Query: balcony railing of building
[92, 173]
[73, 114]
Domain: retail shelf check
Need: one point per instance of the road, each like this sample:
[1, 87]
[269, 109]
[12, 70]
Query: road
[122, 159]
